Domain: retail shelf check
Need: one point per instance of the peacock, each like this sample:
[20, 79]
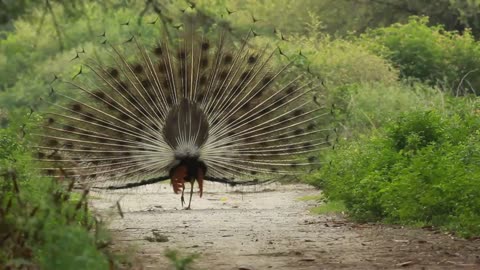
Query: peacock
[188, 108]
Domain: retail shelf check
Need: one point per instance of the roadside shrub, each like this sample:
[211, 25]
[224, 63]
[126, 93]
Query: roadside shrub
[42, 224]
[420, 169]
[430, 53]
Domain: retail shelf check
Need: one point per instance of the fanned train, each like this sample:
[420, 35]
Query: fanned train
[186, 109]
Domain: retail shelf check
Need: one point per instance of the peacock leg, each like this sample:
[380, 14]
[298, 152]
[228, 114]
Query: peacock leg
[183, 198]
[191, 194]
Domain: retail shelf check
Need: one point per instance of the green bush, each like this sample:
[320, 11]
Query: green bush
[430, 53]
[180, 262]
[42, 224]
[421, 169]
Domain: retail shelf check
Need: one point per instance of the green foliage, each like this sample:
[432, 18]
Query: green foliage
[318, 197]
[180, 262]
[69, 247]
[415, 131]
[342, 17]
[29, 58]
[325, 206]
[336, 61]
[430, 53]
[42, 224]
[11, 9]
[361, 108]
[26, 74]
[329, 207]
[420, 169]
[454, 14]
[340, 62]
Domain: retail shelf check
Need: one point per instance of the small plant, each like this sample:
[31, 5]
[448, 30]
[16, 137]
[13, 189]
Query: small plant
[180, 262]
[329, 207]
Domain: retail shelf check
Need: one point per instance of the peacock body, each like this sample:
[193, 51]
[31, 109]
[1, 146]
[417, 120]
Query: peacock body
[188, 108]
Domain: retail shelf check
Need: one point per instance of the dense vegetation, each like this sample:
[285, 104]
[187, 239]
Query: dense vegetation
[42, 224]
[405, 91]
[420, 169]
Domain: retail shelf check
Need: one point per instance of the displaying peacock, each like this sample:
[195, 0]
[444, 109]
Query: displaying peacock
[186, 109]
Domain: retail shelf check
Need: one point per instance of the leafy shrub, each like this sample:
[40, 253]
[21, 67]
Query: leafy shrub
[42, 224]
[430, 53]
[420, 169]
[180, 262]
[415, 131]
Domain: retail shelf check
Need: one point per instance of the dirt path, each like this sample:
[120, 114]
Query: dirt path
[272, 229]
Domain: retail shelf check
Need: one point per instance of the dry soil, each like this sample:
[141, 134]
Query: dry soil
[268, 227]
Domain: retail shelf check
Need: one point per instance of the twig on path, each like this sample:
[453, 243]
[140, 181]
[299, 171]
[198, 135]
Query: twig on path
[403, 264]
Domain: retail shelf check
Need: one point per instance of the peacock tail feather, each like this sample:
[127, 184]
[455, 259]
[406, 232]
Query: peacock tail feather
[186, 108]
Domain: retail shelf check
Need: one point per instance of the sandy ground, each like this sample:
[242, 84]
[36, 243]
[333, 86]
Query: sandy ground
[270, 228]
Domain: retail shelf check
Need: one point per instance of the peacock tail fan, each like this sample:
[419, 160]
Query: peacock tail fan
[191, 106]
